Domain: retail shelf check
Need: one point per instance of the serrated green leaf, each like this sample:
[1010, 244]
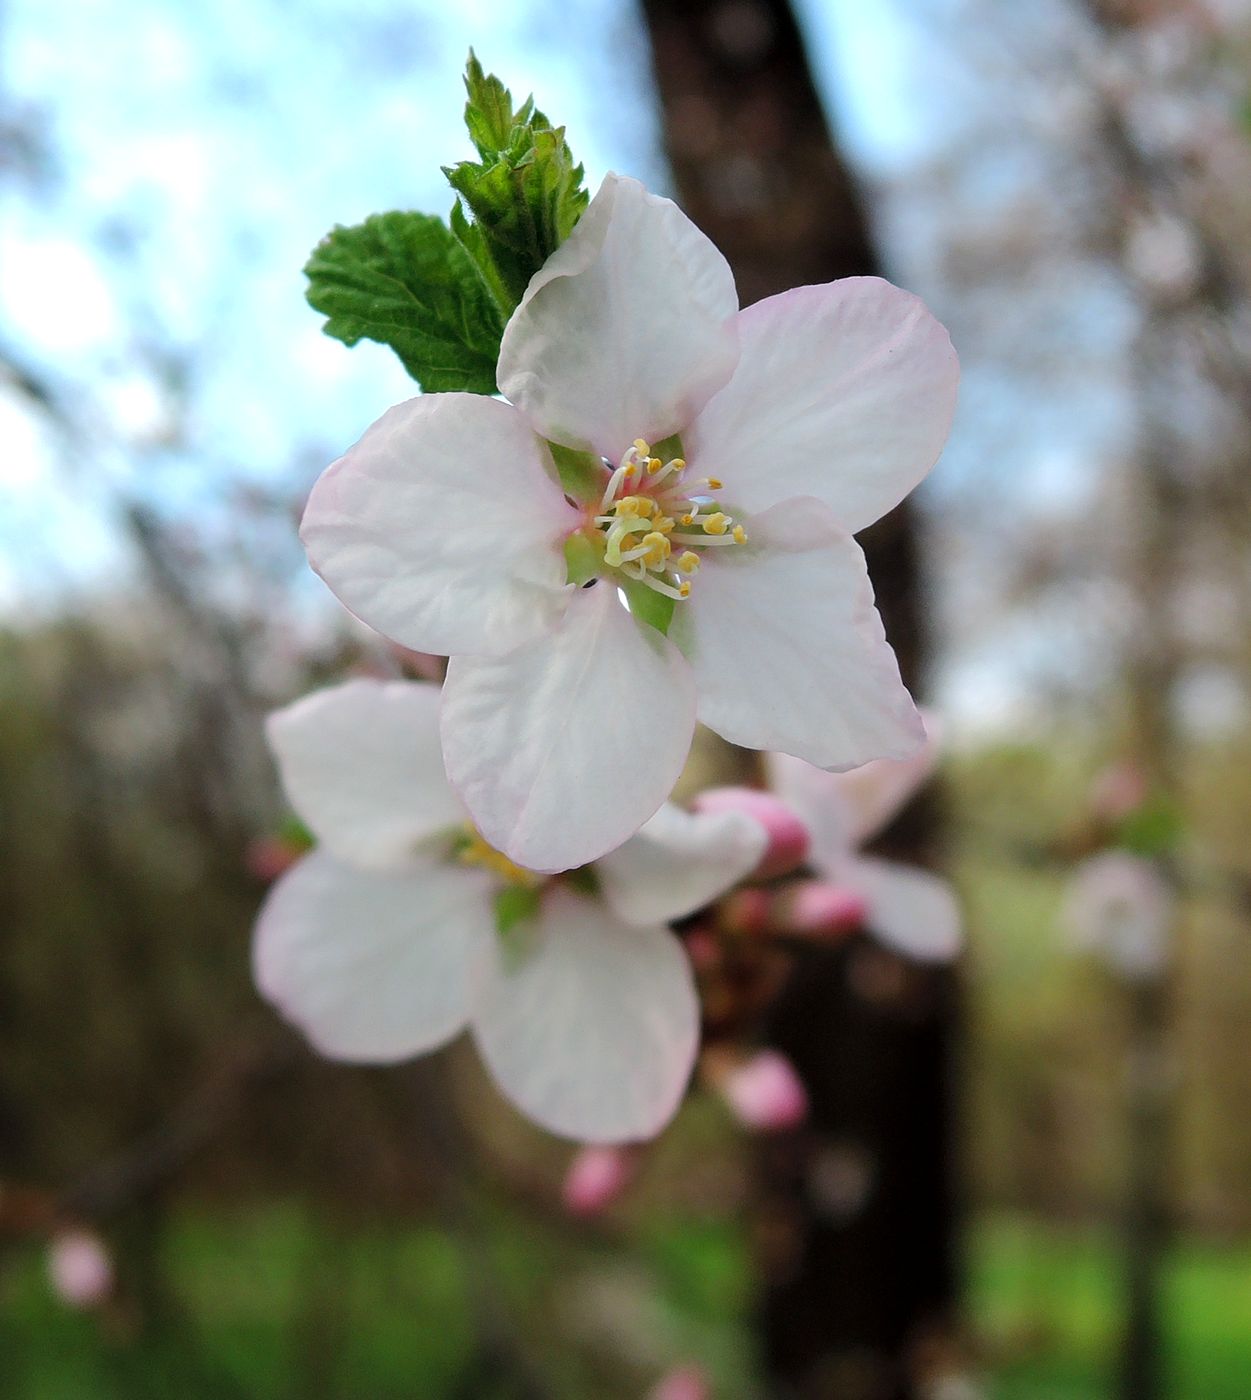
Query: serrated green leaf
[404, 280]
[489, 112]
[525, 193]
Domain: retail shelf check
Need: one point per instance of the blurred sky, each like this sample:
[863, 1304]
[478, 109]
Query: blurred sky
[194, 156]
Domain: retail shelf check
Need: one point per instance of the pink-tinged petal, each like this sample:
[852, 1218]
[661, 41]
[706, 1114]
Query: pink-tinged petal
[678, 862]
[909, 910]
[442, 529]
[373, 966]
[847, 809]
[590, 1025]
[361, 764]
[628, 328]
[596, 1177]
[843, 391]
[788, 649]
[787, 836]
[563, 749]
[764, 1092]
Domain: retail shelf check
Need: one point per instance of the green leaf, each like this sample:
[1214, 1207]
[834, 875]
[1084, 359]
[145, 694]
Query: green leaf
[525, 192]
[1155, 828]
[404, 280]
[513, 906]
[647, 605]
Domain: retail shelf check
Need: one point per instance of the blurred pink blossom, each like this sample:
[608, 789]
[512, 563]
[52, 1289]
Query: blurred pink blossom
[596, 1177]
[1120, 907]
[764, 1092]
[80, 1268]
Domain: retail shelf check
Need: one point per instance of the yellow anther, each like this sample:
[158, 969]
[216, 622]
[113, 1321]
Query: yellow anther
[642, 448]
[688, 520]
[715, 524]
[627, 505]
[688, 562]
[740, 535]
[663, 523]
[679, 464]
[654, 464]
[714, 482]
[684, 588]
[658, 548]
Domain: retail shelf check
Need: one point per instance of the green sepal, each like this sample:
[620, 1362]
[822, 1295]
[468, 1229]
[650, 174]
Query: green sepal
[584, 557]
[669, 448]
[295, 833]
[404, 280]
[581, 473]
[647, 605]
[583, 879]
[513, 906]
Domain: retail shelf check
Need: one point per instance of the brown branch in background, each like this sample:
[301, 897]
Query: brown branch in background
[858, 1293]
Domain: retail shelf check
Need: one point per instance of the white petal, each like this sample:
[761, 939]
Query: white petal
[591, 1030]
[843, 391]
[361, 764]
[788, 648]
[678, 862]
[442, 529]
[564, 748]
[843, 810]
[626, 330]
[909, 910]
[372, 966]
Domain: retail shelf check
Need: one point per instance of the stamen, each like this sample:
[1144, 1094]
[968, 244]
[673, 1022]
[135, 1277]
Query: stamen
[640, 522]
[702, 541]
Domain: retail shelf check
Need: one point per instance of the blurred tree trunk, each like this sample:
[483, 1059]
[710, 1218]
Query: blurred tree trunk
[857, 1216]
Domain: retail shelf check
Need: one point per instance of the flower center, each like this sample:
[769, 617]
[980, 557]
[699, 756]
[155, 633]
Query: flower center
[474, 849]
[656, 520]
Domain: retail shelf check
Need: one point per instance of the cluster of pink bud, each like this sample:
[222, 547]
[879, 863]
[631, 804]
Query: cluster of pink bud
[596, 1178]
[79, 1268]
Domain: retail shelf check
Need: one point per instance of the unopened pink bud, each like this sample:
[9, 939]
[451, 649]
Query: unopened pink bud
[816, 908]
[595, 1178]
[682, 1383]
[765, 1093]
[80, 1268]
[268, 856]
[788, 836]
[744, 911]
[703, 949]
[1118, 790]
